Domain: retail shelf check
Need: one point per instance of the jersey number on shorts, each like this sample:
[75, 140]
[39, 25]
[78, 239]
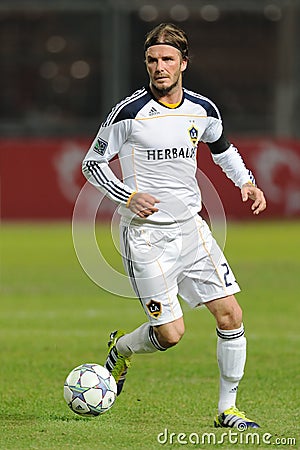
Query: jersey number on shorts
[227, 283]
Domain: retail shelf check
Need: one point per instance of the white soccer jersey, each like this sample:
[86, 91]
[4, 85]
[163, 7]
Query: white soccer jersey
[157, 149]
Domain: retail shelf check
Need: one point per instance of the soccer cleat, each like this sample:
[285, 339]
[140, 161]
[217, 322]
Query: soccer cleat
[233, 418]
[116, 363]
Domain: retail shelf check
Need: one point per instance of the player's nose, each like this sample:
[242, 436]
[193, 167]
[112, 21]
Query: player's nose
[159, 66]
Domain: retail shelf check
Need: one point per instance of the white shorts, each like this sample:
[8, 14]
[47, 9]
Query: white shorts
[164, 261]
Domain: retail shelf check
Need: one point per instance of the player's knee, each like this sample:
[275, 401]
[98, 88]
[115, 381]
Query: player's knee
[171, 339]
[230, 318]
[170, 335]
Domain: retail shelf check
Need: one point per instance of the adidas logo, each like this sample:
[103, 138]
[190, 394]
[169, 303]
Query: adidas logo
[234, 390]
[153, 111]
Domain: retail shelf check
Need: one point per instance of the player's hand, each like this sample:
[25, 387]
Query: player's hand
[254, 193]
[143, 204]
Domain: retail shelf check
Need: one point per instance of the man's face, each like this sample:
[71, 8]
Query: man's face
[165, 66]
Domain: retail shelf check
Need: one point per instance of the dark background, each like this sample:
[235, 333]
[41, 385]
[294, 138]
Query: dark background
[65, 63]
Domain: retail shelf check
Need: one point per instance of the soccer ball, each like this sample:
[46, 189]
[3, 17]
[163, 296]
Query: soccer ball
[90, 390]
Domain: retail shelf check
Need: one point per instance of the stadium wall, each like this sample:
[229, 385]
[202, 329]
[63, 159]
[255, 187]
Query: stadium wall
[41, 178]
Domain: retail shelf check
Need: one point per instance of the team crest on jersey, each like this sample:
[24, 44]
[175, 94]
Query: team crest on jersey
[100, 146]
[154, 307]
[193, 132]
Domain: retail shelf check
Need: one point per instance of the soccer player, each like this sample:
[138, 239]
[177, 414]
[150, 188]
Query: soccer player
[167, 248]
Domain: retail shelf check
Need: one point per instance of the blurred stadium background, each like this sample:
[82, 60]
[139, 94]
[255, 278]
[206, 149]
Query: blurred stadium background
[65, 63]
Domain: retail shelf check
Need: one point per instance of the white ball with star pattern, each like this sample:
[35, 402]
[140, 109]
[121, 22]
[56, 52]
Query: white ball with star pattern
[90, 390]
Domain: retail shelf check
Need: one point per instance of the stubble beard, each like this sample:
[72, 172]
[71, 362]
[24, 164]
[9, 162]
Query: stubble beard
[161, 92]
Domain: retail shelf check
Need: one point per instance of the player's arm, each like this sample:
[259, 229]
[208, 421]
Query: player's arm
[95, 168]
[109, 141]
[229, 159]
[103, 178]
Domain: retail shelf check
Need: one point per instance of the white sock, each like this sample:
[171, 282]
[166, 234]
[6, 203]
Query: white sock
[231, 353]
[141, 340]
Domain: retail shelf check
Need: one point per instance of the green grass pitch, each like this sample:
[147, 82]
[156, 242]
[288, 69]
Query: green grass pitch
[53, 317]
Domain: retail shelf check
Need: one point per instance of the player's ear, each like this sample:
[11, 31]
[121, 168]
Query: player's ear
[184, 63]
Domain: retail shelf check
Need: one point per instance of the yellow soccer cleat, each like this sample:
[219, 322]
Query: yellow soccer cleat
[116, 363]
[233, 418]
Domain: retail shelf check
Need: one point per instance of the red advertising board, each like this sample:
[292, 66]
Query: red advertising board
[41, 178]
[276, 166]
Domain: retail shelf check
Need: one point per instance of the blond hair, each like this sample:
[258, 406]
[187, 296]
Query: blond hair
[168, 34]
